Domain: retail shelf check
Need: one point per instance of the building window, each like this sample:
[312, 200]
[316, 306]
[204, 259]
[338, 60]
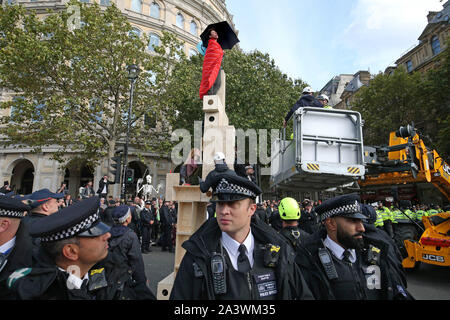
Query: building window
[136, 5]
[180, 21]
[409, 65]
[135, 32]
[154, 42]
[193, 28]
[435, 45]
[192, 52]
[154, 10]
[105, 3]
[85, 1]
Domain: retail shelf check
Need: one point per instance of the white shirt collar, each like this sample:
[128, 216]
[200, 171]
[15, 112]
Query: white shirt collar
[232, 247]
[338, 251]
[8, 245]
[73, 281]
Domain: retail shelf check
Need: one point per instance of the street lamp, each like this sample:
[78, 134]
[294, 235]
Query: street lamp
[133, 73]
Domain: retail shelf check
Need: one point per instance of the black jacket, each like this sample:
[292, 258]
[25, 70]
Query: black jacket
[165, 217]
[188, 285]
[19, 257]
[126, 243]
[309, 221]
[211, 177]
[306, 100]
[147, 216]
[45, 281]
[101, 185]
[393, 282]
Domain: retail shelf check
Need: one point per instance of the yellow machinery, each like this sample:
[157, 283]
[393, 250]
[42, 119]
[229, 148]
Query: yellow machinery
[408, 160]
[434, 244]
[405, 160]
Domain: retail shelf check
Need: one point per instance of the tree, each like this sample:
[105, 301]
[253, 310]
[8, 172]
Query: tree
[71, 86]
[258, 94]
[398, 99]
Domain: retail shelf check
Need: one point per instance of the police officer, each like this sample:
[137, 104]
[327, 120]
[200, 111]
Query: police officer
[387, 219]
[167, 224]
[42, 203]
[290, 213]
[15, 241]
[344, 263]
[220, 167]
[147, 220]
[126, 243]
[73, 260]
[235, 256]
[309, 221]
[306, 100]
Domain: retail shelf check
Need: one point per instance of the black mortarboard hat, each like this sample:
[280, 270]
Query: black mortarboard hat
[81, 219]
[227, 187]
[347, 205]
[12, 207]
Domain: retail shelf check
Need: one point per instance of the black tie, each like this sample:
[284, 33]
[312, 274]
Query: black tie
[347, 255]
[242, 261]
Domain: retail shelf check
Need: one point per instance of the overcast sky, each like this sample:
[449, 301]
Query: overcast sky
[317, 39]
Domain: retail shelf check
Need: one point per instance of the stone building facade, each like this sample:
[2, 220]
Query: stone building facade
[432, 42]
[28, 171]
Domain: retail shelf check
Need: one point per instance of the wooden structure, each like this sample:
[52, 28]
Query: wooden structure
[217, 136]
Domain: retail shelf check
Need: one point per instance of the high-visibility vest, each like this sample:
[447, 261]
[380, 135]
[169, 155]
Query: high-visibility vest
[432, 212]
[410, 214]
[420, 214]
[327, 107]
[379, 222]
[397, 215]
[386, 214]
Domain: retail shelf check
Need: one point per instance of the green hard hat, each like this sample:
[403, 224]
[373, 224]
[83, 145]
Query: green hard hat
[289, 209]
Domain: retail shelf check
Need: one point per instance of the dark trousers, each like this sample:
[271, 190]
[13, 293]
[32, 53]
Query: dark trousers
[216, 86]
[387, 226]
[166, 237]
[146, 233]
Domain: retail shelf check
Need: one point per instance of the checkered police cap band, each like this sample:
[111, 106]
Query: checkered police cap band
[343, 210]
[72, 231]
[124, 218]
[225, 186]
[11, 213]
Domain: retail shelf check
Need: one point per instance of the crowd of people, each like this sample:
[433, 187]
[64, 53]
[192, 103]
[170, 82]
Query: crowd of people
[53, 247]
[61, 243]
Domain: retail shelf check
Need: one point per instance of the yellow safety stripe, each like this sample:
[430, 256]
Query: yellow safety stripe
[353, 170]
[313, 166]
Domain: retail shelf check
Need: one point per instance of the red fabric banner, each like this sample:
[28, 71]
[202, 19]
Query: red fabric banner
[211, 66]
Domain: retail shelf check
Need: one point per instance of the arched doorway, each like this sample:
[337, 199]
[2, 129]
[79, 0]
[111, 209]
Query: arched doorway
[22, 177]
[140, 170]
[77, 175]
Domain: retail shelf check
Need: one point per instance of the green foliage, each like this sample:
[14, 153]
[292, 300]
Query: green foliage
[258, 94]
[395, 100]
[80, 81]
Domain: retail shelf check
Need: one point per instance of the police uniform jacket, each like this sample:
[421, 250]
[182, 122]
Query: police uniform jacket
[309, 221]
[45, 281]
[219, 169]
[147, 216]
[194, 279]
[393, 284]
[294, 236]
[19, 257]
[126, 243]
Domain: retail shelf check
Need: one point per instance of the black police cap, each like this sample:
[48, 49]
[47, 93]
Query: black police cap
[81, 219]
[12, 207]
[227, 187]
[347, 205]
